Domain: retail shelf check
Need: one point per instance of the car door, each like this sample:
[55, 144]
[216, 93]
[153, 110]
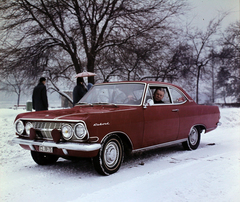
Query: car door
[187, 112]
[161, 121]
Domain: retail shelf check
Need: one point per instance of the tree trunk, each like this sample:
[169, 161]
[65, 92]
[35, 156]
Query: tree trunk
[78, 67]
[90, 67]
[198, 77]
[224, 95]
[213, 85]
[18, 99]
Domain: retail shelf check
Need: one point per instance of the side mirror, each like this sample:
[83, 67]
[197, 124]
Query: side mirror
[148, 103]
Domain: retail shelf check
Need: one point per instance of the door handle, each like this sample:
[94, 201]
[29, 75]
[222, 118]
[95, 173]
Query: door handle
[175, 110]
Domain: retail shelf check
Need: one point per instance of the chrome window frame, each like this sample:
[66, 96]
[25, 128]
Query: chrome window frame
[169, 92]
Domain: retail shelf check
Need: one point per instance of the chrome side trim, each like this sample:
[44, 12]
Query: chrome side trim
[161, 145]
[86, 147]
[66, 115]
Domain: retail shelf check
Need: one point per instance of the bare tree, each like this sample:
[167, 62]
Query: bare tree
[15, 83]
[223, 84]
[229, 56]
[155, 60]
[79, 29]
[213, 67]
[201, 41]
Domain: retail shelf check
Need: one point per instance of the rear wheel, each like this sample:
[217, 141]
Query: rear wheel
[193, 139]
[110, 156]
[43, 158]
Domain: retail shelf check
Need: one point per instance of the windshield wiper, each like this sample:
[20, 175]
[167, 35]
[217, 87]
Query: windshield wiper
[104, 103]
[83, 103]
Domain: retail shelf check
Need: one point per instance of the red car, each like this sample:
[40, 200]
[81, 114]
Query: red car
[113, 119]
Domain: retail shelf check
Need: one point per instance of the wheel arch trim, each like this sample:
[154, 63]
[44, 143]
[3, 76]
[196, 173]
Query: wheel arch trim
[122, 135]
[198, 126]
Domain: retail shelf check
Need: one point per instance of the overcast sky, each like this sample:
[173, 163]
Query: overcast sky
[205, 10]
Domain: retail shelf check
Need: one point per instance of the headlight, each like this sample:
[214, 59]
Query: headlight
[80, 131]
[19, 127]
[28, 126]
[67, 132]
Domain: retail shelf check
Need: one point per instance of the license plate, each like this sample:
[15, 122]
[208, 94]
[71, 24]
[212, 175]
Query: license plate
[45, 149]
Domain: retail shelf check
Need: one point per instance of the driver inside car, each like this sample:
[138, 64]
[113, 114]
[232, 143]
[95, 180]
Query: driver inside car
[158, 96]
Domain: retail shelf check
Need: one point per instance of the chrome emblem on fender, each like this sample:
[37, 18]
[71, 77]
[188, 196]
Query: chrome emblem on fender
[101, 124]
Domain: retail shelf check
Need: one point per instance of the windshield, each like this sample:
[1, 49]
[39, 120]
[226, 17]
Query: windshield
[123, 93]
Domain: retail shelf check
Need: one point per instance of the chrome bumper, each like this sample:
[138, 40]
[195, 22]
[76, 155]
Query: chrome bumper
[85, 147]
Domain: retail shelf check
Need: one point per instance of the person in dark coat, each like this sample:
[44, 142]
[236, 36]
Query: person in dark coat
[39, 97]
[79, 91]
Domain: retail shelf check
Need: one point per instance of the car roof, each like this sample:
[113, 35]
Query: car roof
[145, 82]
[150, 83]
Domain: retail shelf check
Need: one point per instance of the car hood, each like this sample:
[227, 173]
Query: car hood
[75, 113]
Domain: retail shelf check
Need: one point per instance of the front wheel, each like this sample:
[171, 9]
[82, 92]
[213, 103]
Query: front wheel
[193, 139]
[43, 158]
[110, 156]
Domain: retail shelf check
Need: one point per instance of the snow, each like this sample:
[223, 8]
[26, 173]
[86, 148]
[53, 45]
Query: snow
[210, 173]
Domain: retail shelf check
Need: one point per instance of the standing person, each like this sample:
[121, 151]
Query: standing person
[79, 91]
[39, 97]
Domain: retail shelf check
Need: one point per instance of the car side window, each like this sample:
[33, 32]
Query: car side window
[149, 98]
[177, 96]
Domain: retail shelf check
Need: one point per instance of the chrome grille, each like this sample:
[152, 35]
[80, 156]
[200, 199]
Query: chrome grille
[45, 128]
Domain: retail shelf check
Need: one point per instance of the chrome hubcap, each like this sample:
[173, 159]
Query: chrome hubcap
[111, 154]
[193, 137]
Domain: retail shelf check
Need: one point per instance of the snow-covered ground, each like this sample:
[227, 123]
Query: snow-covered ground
[210, 173]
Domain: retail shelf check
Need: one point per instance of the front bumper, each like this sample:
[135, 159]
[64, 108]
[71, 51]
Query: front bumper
[83, 147]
